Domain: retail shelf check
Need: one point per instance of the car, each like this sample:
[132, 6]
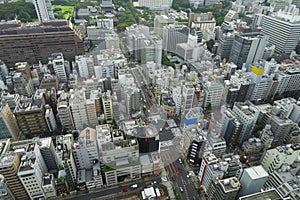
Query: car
[125, 190]
[180, 161]
[134, 186]
[154, 182]
[181, 189]
[188, 176]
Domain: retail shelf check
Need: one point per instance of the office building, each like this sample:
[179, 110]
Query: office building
[36, 43]
[174, 34]
[155, 4]
[225, 45]
[148, 138]
[247, 114]
[231, 127]
[283, 29]
[247, 48]
[267, 194]
[47, 149]
[213, 94]
[9, 166]
[226, 189]
[8, 123]
[43, 10]
[50, 118]
[77, 104]
[253, 180]
[22, 84]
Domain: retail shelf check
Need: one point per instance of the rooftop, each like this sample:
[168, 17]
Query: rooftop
[256, 172]
[265, 195]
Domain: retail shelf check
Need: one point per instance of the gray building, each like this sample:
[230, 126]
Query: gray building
[174, 34]
[247, 48]
[283, 31]
[252, 180]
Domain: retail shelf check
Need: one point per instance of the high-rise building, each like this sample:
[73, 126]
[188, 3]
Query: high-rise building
[43, 10]
[283, 30]
[247, 114]
[247, 48]
[267, 194]
[30, 115]
[77, 103]
[36, 43]
[8, 123]
[64, 112]
[85, 66]
[59, 66]
[155, 4]
[226, 189]
[9, 166]
[253, 180]
[31, 171]
[107, 106]
[22, 84]
[174, 34]
[275, 158]
[47, 150]
[50, 118]
[5, 193]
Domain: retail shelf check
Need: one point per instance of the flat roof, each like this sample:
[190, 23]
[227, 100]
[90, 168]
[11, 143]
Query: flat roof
[256, 172]
[265, 195]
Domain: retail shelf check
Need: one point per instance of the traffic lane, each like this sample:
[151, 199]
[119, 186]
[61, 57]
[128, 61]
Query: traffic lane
[186, 183]
[115, 189]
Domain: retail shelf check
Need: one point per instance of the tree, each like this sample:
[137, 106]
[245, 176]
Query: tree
[210, 44]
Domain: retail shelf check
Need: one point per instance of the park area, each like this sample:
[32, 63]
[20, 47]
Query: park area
[63, 12]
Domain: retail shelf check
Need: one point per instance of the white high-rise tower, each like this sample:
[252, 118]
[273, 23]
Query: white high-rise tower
[43, 10]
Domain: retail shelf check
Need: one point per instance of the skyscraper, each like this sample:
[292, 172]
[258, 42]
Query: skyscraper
[43, 10]
[283, 30]
[247, 48]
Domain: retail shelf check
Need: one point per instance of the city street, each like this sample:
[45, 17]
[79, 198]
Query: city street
[115, 191]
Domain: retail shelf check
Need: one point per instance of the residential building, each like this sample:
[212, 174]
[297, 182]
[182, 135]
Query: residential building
[5, 192]
[9, 167]
[286, 181]
[30, 115]
[31, 171]
[59, 66]
[252, 180]
[22, 84]
[275, 158]
[107, 106]
[64, 112]
[36, 43]
[48, 82]
[85, 66]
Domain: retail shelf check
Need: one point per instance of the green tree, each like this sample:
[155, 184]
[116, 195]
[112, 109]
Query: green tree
[210, 44]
